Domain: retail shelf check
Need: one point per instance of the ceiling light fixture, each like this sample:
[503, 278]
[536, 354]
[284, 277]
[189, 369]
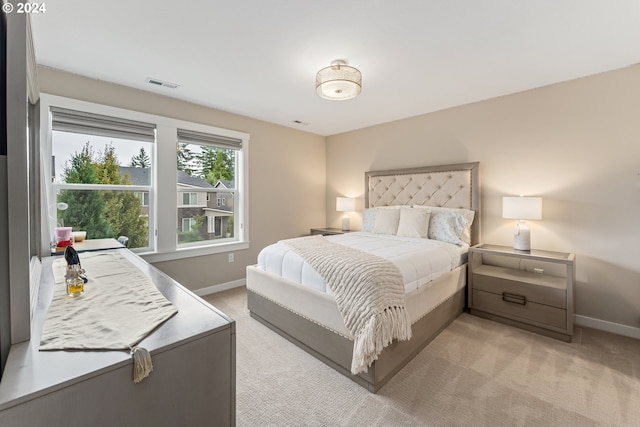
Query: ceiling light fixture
[338, 81]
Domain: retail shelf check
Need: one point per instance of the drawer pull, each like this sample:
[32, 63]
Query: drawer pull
[516, 299]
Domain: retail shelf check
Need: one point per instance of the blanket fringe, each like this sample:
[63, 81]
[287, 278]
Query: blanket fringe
[142, 365]
[377, 333]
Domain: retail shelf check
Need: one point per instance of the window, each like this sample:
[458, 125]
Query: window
[102, 169]
[207, 162]
[189, 199]
[190, 190]
[144, 198]
[187, 224]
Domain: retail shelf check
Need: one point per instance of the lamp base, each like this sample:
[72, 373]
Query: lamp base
[522, 237]
[345, 222]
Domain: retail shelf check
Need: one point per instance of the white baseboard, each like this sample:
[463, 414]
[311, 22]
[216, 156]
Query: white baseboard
[219, 288]
[603, 325]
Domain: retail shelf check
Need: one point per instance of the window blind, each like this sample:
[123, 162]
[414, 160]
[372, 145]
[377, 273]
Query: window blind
[66, 120]
[193, 137]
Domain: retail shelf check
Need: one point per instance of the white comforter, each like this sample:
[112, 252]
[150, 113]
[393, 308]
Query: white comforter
[419, 260]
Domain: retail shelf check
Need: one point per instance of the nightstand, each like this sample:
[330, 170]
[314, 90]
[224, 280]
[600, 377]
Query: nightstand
[529, 290]
[327, 231]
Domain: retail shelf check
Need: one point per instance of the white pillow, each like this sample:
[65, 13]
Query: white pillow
[386, 221]
[450, 225]
[414, 223]
[369, 217]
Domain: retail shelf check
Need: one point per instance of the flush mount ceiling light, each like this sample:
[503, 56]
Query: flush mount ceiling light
[339, 81]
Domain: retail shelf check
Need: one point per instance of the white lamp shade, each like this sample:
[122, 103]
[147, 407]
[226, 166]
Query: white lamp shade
[339, 81]
[345, 204]
[522, 207]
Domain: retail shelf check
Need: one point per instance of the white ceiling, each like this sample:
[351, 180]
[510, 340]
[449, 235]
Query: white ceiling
[258, 58]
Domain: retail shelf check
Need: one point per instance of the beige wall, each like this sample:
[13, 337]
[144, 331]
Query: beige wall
[286, 173]
[576, 144]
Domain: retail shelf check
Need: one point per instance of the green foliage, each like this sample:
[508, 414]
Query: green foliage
[196, 232]
[102, 213]
[85, 211]
[218, 164]
[141, 160]
[184, 158]
[230, 226]
[107, 166]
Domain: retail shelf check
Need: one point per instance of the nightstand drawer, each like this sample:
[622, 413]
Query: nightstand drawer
[499, 280]
[520, 308]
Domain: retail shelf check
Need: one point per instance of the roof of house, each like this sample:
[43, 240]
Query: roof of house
[186, 179]
[138, 176]
[225, 184]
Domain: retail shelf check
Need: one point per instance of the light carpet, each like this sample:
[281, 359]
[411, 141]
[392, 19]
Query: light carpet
[475, 373]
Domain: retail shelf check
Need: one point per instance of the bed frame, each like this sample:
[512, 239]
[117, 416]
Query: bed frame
[454, 186]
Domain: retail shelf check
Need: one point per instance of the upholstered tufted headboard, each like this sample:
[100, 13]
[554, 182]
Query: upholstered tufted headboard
[451, 186]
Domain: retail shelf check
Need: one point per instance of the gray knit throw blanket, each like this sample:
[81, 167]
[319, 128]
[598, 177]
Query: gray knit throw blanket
[369, 291]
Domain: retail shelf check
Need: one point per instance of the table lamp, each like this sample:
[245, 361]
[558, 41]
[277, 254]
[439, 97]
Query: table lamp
[346, 205]
[522, 208]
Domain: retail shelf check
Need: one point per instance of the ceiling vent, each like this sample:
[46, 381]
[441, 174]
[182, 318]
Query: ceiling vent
[158, 82]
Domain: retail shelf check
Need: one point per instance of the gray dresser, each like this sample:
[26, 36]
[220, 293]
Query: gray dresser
[192, 383]
[531, 290]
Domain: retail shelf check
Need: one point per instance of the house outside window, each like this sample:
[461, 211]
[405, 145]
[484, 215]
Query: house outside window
[144, 197]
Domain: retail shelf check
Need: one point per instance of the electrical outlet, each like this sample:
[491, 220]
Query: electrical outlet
[231, 257]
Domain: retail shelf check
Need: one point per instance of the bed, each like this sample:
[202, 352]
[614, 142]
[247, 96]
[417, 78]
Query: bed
[300, 307]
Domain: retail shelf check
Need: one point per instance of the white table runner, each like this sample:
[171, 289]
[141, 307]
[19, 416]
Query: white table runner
[120, 306]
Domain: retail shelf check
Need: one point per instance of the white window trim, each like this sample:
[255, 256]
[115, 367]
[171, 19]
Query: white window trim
[164, 195]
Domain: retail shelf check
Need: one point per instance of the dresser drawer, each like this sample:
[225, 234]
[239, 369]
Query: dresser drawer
[519, 308]
[521, 283]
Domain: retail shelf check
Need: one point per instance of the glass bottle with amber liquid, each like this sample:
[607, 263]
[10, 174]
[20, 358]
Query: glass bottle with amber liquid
[75, 283]
[74, 276]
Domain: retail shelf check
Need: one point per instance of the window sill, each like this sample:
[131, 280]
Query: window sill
[182, 253]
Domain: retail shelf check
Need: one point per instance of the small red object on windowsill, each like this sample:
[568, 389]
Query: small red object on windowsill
[64, 243]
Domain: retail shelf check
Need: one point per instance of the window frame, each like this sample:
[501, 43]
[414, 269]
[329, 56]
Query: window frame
[134, 189]
[164, 192]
